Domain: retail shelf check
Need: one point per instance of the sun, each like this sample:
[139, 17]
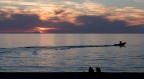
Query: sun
[43, 29]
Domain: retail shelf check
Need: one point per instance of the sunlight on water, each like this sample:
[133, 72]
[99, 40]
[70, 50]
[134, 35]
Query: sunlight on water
[70, 52]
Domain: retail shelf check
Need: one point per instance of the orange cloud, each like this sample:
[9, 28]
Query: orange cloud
[68, 11]
[131, 15]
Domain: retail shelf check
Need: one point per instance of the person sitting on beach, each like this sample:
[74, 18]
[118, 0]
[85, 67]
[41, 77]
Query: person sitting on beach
[91, 69]
[98, 70]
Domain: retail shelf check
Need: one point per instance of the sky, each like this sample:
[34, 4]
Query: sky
[71, 16]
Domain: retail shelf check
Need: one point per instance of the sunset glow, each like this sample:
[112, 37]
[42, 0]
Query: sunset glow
[72, 16]
[43, 29]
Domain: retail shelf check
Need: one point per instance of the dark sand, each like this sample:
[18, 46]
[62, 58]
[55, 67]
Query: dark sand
[70, 75]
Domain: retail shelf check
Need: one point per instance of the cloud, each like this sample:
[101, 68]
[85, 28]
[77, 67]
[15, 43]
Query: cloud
[68, 16]
[131, 15]
[17, 2]
[68, 11]
[92, 24]
[19, 23]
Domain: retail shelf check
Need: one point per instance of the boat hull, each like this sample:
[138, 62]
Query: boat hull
[122, 44]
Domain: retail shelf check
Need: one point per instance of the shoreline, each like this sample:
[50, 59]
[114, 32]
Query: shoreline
[71, 75]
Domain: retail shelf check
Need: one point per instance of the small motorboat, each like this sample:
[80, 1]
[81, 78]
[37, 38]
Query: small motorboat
[120, 44]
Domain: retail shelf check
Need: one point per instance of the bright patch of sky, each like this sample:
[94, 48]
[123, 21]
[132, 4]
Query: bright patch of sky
[122, 3]
[109, 3]
[113, 3]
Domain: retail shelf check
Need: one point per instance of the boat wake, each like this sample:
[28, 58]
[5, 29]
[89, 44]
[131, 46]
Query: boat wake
[67, 47]
[54, 47]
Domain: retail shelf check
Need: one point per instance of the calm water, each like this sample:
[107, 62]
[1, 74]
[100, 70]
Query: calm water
[70, 52]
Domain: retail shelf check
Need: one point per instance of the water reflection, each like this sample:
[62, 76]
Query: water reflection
[44, 57]
[47, 40]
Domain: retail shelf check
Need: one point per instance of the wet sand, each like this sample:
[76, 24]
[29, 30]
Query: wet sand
[70, 75]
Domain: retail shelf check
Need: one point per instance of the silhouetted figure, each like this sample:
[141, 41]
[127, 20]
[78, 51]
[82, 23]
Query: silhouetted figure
[120, 42]
[98, 70]
[91, 69]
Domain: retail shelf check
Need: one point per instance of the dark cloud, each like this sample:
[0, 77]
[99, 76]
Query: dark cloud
[19, 22]
[98, 24]
[91, 24]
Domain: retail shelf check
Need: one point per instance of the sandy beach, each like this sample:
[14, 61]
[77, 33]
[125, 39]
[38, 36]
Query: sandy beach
[70, 75]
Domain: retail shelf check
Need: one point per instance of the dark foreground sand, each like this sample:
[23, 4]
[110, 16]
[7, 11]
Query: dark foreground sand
[70, 75]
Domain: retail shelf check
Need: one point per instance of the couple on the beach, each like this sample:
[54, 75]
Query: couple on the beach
[98, 70]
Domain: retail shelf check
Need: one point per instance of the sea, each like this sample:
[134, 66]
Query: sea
[71, 52]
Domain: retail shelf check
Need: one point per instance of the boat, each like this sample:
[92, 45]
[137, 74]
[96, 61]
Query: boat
[120, 44]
